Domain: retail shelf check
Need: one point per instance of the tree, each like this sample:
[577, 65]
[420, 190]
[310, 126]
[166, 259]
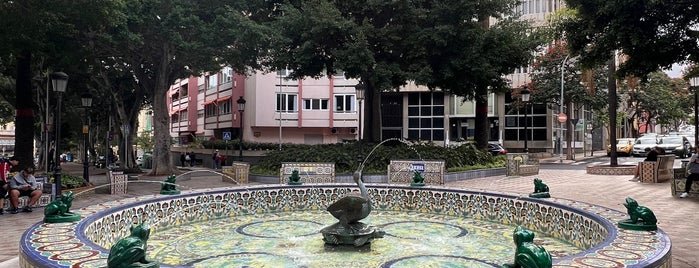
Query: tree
[53, 33]
[161, 41]
[470, 58]
[387, 44]
[581, 87]
[663, 100]
[653, 34]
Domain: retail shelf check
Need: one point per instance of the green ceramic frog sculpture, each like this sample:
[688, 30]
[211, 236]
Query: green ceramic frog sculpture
[418, 180]
[59, 210]
[169, 186]
[130, 251]
[640, 218]
[541, 190]
[295, 179]
[528, 254]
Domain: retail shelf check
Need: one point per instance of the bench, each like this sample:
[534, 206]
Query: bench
[679, 180]
[310, 172]
[659, 171]
[236, 173]
[402, 171]
[47, 193]
[522, 165]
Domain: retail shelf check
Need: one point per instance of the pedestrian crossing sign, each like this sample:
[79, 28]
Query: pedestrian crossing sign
[226, 136]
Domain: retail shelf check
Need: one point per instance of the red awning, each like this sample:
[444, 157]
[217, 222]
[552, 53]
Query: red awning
[224, 98]
[207, 102]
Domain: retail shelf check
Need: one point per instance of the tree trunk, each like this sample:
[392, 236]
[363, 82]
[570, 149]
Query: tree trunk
[481, 127]
[373, 114]
[611, 98]
[162, 162]
[24, 115]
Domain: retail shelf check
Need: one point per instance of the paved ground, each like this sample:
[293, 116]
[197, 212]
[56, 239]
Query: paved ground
[679, 218]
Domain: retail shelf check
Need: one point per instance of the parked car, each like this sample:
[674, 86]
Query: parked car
[640, 145]
[678, 145]
[624, 146]
[496, 149]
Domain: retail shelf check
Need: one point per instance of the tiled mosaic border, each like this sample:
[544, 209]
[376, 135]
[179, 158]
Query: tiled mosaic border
[586, 225]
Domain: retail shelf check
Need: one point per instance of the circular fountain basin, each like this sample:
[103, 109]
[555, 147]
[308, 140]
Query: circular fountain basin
[577, 234]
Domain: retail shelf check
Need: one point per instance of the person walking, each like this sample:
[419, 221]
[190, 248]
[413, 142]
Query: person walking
[693, 169]
[216, 160]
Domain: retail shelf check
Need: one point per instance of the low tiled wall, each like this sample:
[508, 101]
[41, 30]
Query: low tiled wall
[584, 225]
[402, 171]
[310, 172]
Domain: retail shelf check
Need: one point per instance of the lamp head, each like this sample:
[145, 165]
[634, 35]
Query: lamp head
[59, 80]
[360, 88]
[241, 104]
[86, 100]
[526, 93]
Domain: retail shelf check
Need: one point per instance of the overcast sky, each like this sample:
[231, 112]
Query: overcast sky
[676, 71]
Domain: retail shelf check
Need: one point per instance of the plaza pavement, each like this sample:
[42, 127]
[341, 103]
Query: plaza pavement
[679, 218]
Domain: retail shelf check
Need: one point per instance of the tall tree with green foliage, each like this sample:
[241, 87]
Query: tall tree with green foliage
[653, 34]
[546, 86]
[33, 29]
[162, 41]
[388, 43]
[461, 53]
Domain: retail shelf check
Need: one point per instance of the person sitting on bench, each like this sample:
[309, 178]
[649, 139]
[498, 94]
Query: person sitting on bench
[693, 168]
[24, 184]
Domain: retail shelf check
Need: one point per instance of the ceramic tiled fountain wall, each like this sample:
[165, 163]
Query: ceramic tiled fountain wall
[581, 230]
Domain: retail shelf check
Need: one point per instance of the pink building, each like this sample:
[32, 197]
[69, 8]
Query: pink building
[312, 111]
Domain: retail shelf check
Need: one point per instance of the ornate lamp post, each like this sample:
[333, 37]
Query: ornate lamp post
[360, 88]
[59, 80]
[241, 109]
[694, 83]
[86, 102]
[525, 92]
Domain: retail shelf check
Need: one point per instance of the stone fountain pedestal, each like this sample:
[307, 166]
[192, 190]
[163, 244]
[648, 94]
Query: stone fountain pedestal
[356, 234]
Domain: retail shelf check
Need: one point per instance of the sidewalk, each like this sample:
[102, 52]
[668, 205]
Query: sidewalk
[677, 217]
[557, 159]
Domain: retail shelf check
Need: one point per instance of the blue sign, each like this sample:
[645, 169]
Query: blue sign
[226, 136]
[417, 167]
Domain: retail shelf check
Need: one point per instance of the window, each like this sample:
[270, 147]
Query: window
[514, 121]
[426, 116]
[213, 81]
[183, 91]
[344, 103]
[183, 116]
[287, 103]
[226, 75]
[200, 114]
[210, 110]
[224, 107]
[315, 104]
[175, 118]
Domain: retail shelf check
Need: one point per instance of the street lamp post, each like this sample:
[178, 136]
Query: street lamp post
[241, 109]
[694, 83]
[525, 92]
[59, 80]
[86, 102]
[360, 88]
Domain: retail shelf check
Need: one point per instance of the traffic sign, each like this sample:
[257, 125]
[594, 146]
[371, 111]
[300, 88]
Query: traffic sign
[226, 136]
[562, 118]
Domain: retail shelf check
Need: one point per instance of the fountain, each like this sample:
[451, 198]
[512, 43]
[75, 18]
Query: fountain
[278, 225]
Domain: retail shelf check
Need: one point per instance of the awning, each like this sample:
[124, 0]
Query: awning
[207, 102]
[224, 98]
